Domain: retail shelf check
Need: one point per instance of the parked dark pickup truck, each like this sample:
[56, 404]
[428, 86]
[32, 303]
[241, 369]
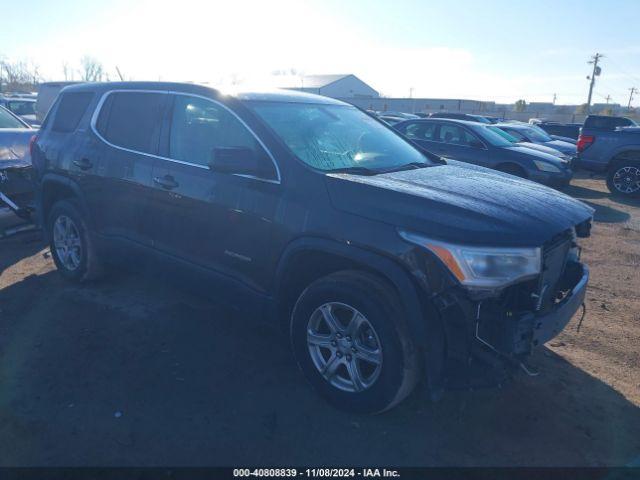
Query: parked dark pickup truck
[605, 147]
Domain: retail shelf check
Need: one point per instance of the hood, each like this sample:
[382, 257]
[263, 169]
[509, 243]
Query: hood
[570, 140]
[564, 147]
[460, 203]
[542, 148]
[14, 144]
[532, 154]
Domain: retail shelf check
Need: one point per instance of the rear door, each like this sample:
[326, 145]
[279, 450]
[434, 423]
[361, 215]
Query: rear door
[65, 146]
[128, 124]
[222, 222]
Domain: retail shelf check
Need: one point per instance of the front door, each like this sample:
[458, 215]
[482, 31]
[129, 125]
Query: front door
[222, 222]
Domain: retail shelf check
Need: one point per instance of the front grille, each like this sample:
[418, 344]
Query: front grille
[554, 260]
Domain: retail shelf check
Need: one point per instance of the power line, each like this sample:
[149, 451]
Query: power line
[624, 72]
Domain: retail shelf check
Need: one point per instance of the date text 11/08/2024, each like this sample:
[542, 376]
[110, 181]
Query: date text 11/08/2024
[316, 472]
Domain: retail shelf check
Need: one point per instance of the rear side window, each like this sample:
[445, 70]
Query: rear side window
[421, 131]
[132, 120]
[70, 110]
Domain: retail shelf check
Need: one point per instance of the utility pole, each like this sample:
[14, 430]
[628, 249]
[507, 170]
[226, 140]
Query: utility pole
[554, 98]
[595, 73]
[632, 90]
[607, 98]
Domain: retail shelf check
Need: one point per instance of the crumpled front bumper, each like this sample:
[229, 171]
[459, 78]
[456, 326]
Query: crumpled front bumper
[548, 326]
[516, 334]
[485, 341]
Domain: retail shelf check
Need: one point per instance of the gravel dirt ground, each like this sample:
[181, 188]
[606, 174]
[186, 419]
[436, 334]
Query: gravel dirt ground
[136, 371]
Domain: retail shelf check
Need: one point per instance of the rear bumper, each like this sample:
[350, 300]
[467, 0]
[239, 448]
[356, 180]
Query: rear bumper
[591, 165]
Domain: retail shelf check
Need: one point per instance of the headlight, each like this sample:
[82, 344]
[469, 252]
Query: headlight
[482, 267]
[546, 167]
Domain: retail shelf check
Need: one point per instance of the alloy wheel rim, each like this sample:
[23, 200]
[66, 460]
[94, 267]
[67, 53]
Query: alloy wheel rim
[344, 347]
[66, 241]
[627, 180]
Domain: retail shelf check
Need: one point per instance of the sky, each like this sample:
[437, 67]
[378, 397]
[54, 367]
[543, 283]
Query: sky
[486, 49]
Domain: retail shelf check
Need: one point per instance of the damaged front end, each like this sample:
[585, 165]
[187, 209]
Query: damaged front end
[490, 331]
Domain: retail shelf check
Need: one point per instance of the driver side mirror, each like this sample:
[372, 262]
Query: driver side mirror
[239, 160]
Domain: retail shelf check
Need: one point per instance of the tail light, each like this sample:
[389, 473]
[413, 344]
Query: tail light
[32, 142]
[584, 141]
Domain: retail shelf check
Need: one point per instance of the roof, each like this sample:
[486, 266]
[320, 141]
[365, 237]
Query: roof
[275, 95]
[447, 120]
[515, 126]
[319, 81]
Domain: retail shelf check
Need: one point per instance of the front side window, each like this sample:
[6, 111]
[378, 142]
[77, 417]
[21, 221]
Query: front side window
[132, 120]
[333, 137]
[199, 125]
[9, 121]
[456, 135]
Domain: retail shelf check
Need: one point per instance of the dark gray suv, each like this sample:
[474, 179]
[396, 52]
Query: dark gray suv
[384, 265]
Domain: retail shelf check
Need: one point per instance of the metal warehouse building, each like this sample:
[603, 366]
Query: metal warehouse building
[335, 86]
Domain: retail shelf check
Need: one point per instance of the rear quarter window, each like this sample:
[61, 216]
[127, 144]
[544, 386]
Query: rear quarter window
[70, 110]
[132, 120]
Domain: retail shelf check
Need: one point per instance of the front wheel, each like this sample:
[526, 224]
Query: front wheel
[623, 178]
[350, 340]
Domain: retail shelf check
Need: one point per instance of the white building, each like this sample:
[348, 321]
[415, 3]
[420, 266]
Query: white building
[335, 86]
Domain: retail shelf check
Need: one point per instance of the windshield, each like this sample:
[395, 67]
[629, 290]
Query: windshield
[22, 107]
[8, 121]
[335, 137]
[505, 135]
[480, 119]
[495, 136]
[538, 135]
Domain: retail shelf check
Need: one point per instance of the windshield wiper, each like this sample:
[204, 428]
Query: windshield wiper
[406, 166]
[355, 170]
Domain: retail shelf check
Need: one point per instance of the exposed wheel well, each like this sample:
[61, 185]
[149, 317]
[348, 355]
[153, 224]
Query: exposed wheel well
[53, 192]
[513, 169]
[302, 269]
[626, 155]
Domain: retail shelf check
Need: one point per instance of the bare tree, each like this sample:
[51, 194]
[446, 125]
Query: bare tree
[91, 69]
[67, 71]
[19, 75]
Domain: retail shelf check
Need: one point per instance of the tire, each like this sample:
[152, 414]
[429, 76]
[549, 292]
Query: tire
[512, 169]
[623, 178]
[382, 337]
[73, 251]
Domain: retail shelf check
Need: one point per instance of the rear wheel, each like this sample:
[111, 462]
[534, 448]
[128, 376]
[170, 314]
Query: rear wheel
[72, 247]
[350, 340]
[623, 178]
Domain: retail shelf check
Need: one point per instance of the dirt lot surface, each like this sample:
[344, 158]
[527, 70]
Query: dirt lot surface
[135, 371]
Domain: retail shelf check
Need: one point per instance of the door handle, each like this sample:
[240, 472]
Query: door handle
[167, 182]
[83, 164]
